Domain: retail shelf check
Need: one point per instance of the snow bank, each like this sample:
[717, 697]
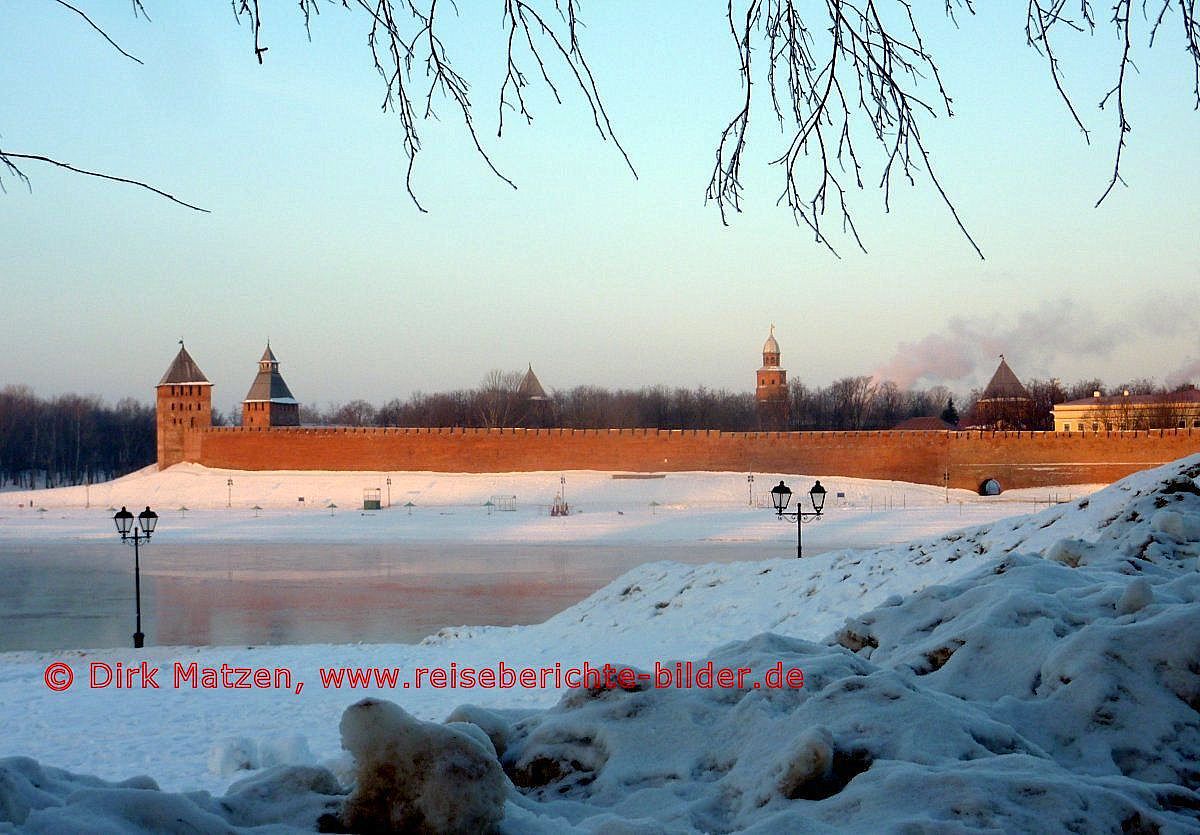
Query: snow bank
[39, 799]
[859, 748]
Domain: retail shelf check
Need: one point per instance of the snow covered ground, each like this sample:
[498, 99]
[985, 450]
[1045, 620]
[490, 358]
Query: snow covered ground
[680, 507]
[1037, 673]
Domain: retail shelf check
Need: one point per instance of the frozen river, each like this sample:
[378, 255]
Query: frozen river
[68, 594]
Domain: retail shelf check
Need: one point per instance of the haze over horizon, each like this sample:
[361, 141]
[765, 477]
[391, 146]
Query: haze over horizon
[590, 275]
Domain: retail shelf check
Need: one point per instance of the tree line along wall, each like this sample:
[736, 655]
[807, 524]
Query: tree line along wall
[1016, 459]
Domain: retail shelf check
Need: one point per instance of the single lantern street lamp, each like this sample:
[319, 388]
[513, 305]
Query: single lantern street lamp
[781, 495]
[136, 534]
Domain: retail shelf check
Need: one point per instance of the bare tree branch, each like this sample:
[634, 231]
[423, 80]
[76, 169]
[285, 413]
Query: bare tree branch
[452, 85]
[250, 9]
[865, 78]
[1042, 16]
[866, 74]
[570, 53]
[405, 33]
[725, 185]
[7, 157]
[1190, 19]
[861, 79]
[103, 34]
[13, 171]
[1121, 11]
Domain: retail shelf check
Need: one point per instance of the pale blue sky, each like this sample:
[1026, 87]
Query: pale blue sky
[592, 276]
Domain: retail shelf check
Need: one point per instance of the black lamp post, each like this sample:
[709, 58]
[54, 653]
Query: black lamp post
[781, 494]
[147, 519]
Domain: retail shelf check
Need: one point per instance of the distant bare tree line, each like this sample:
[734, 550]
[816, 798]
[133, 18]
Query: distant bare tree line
[848, 403]
[71, 439]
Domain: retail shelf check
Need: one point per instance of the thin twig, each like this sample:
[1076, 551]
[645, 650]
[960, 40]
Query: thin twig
[103, 34]
[6, 156]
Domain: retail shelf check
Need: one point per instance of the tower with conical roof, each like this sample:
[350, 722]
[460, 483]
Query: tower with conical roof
[269, 401]
[535, 409]
[530, 387]
[771, 389]
[1005, 402]
[183, 407]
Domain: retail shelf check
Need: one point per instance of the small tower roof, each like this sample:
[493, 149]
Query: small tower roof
[183, 371]
[771, 346]
[530, 387]
[268, 384]
[1004, 385]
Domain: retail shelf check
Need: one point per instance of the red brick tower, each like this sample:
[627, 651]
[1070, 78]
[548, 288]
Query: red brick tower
[184, 406]
[269, 401]
[771, 391]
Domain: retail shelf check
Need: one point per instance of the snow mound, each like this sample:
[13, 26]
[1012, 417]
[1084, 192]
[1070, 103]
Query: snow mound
[495, 726]
[40, 799]
[286, 749]
[231, 755]
[858, 745]
[419, 777]
[228, 756]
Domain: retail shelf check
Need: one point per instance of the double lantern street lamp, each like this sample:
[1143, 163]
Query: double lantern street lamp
[147, 519]
[781, 494]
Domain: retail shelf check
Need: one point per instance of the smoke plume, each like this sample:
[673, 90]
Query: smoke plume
[970, 346]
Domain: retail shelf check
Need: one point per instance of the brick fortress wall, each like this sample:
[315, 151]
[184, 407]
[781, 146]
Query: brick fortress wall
[1016, 459]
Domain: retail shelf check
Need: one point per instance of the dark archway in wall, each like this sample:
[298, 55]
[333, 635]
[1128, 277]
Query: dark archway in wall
[990, 487]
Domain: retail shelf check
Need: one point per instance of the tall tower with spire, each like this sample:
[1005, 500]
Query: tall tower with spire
[771, 390]
[183, 405]
[269, 401]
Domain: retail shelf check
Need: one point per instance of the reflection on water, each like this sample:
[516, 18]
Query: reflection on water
[56, 595]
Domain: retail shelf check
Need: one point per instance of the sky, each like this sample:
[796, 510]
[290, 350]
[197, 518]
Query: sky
[592, 276]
